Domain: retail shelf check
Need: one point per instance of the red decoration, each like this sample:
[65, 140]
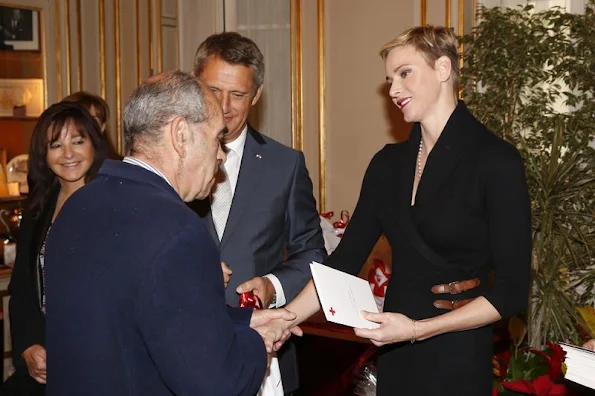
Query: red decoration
[341, 224]
[540, 386]
[543, 385]
[332, 311]
[378, 277]
[250, 300]
[328, 215]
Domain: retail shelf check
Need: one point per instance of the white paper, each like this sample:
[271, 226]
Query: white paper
[580, 365]
[343, 296]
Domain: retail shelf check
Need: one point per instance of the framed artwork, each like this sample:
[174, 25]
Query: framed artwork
[19, 29]
[27, 92]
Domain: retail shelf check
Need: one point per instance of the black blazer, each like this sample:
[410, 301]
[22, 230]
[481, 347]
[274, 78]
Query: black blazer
[27, 322]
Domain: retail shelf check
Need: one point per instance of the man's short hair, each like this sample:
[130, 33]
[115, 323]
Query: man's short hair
[156, 102]
[432, 42]
[234, 49]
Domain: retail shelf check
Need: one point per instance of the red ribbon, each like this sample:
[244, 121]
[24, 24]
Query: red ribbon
[328, 215]
[250, 300]
[342, 224]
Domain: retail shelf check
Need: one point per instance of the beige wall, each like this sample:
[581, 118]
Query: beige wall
[104, 46]
[360, 119]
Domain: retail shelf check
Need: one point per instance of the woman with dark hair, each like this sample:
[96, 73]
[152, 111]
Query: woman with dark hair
[66, 151]
[99, 110]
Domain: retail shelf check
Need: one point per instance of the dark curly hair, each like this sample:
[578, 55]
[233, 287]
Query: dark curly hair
[42, 181]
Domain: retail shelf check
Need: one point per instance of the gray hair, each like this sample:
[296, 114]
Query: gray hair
[233, 48]
[156, 102]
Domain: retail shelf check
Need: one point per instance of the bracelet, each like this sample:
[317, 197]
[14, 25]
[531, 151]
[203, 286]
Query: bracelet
[414, 336]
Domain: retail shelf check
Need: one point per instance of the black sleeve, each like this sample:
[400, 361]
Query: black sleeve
[508, 210]
[27, 325]
[364, 227]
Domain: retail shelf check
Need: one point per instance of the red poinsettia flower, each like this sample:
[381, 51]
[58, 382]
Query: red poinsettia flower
[502, 362]
[558, 357]
[540, 386]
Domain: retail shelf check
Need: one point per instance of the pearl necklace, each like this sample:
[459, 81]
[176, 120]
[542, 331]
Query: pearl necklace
[419, 169]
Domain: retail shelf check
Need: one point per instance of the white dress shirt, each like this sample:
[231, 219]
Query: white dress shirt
[232, 167]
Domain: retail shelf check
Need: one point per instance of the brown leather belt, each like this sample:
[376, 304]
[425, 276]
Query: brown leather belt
[454, 288]
[451, 304]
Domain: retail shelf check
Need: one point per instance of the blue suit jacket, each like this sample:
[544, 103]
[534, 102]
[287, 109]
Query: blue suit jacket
[273, 226]
[135, 298]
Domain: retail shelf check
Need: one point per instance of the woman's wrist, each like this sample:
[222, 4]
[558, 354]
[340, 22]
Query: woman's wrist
[413, 331]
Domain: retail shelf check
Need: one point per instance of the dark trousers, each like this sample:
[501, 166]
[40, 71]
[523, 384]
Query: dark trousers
[21, 384]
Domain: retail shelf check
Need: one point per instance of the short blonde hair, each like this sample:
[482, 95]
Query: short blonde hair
[432, 42]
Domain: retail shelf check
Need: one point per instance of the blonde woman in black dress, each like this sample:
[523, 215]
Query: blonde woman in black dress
[453, 203]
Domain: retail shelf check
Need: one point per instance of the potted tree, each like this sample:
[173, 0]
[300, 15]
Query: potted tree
[530, 77]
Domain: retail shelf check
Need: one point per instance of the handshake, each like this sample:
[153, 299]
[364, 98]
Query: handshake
[274, 325]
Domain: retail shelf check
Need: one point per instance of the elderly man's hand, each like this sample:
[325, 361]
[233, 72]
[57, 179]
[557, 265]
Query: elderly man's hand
[275, 326]
[35, 359]
[262, 317]
[226, 273]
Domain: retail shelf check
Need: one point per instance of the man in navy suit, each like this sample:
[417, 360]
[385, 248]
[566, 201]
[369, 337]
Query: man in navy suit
[135, 297]
[262, 213]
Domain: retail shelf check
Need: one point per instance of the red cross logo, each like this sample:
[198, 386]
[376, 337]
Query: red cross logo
[332, 311]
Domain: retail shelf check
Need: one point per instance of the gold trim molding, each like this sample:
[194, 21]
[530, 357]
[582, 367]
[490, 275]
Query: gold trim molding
[321, 109]
[151, 54]
[159, 39]
[79, 30]
[118, 76]
[461, 28]
[103, 61]
[68, 59]
[58, 51]
[424, 12]
[139, 74]
[44, 57]
[447, 16]
[297, 95]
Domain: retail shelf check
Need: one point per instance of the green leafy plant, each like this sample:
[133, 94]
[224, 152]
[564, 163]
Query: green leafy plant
[530, 77]
[526, 370]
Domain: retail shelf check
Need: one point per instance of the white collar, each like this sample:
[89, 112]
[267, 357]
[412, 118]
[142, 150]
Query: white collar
[237, 146]
[138, 162]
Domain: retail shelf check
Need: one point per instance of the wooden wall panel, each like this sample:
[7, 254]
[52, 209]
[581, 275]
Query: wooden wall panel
[90, 42]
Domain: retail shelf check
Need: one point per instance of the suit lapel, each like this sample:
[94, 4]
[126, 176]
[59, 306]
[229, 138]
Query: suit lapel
[208, 222]
[251, 171]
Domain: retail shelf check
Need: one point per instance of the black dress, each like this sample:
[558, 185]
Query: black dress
[471, 215]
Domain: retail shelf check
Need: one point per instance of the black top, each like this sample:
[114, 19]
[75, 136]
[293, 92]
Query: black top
[471, 215]
[27, 321]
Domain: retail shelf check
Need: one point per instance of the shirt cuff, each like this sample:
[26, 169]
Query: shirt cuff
[278, 291]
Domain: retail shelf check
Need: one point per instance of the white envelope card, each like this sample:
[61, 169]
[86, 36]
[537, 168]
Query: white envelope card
[343, 296]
